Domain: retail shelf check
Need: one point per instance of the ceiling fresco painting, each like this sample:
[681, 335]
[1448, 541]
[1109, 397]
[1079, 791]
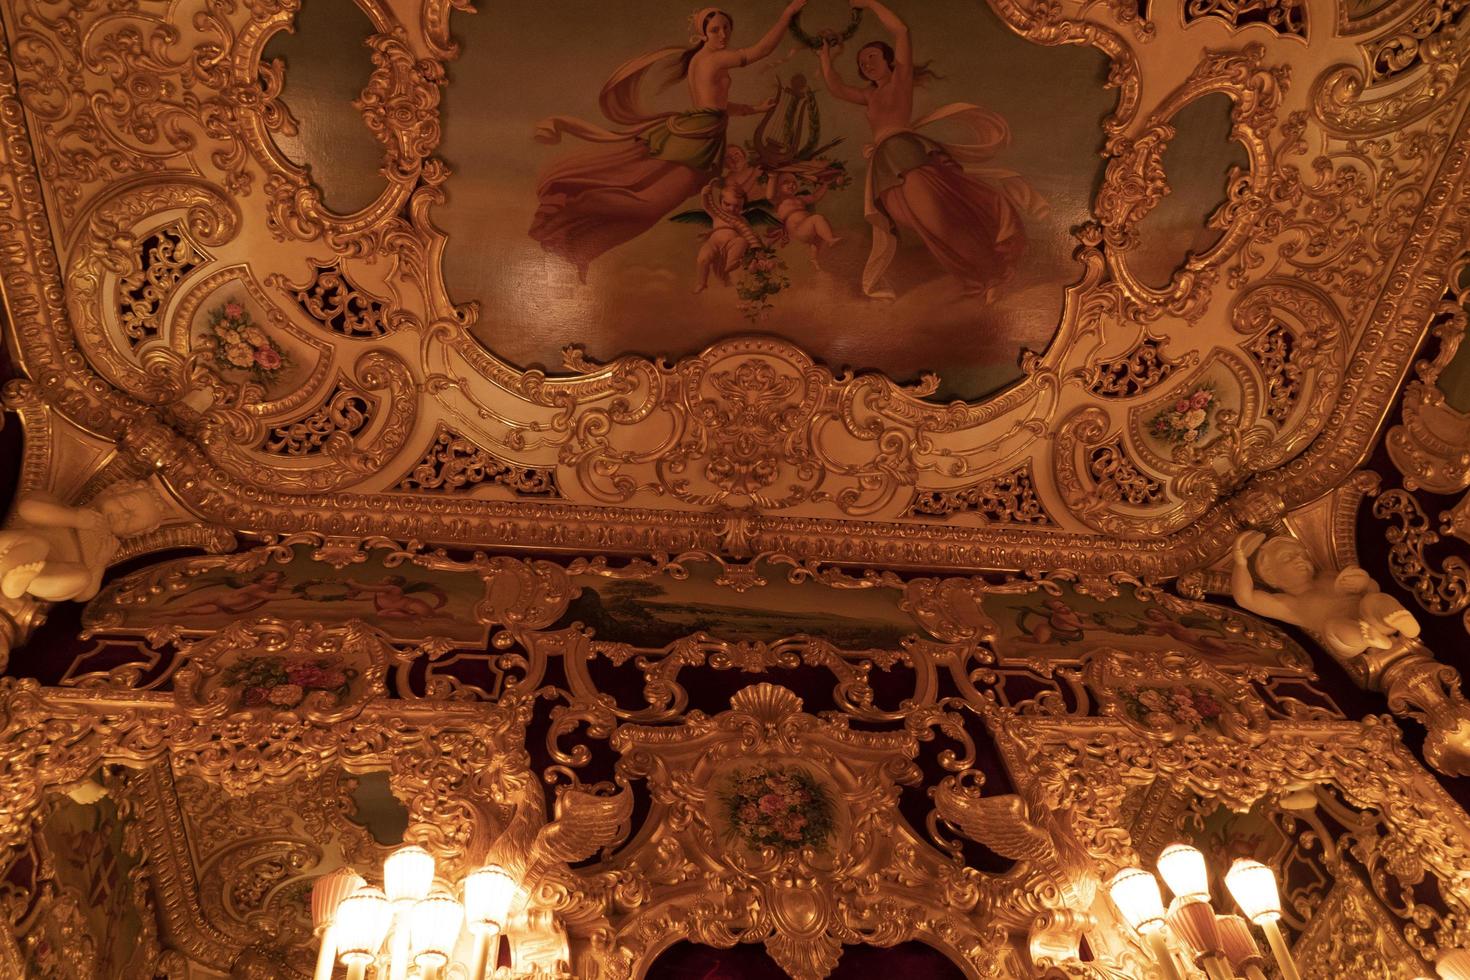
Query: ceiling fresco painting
[990, 299]
[806, 488]
[1060, 619]
[428, 600]
[99, 875]
[799, 180]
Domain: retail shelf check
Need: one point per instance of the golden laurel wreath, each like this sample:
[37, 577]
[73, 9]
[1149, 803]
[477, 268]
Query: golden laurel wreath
[824, 37]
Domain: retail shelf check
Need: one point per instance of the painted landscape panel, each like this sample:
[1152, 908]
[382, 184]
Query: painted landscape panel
[655, 612]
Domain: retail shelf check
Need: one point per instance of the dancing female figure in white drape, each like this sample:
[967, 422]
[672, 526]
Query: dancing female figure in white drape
[595, 201]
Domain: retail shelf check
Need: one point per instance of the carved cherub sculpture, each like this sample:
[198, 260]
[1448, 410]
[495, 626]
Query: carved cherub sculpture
[60, 552]
[1347, 610]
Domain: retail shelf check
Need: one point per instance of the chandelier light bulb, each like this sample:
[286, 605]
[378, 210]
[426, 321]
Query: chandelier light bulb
[488, 894]
[1183, 868]
[1453, 964]
[434, 928]
[1253, 885]
[1136, 894]
[361, 925]
[408, 874]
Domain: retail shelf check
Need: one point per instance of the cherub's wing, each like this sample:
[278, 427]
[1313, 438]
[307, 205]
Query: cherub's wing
[585, 823]
[998, 822]
[759, 217]
[698, 216]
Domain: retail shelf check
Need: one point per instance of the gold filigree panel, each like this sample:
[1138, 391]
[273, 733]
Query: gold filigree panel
[1352, 936]
[232, 834]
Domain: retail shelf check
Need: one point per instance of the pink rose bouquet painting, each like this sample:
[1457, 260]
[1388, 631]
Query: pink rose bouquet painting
[1188, 419]
[239, 344]
[1166, 707]
[780, 807]
[276, 682]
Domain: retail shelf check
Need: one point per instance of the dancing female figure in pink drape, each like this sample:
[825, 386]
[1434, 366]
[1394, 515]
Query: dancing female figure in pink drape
[967, 217]
[595, 201]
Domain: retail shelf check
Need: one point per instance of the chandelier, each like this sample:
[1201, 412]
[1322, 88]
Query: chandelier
[1220, 945]
[414, 927]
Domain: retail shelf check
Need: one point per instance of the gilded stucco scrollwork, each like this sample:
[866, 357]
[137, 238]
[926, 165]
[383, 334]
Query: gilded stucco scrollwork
[1427, 446]
[334, 301]
[153, 229]
[163, 258]
[1442, 589]
[453, 464]
[1286, 17]
[1363, 762]
[1417, 40]
[1364, 944]
[1135, 372]
[688, 867]
[648, 451]
[1080, 728]
[347, 444]
[347, 410]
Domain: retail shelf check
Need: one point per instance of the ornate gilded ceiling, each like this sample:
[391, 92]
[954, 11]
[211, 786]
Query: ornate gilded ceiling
[153, 216]
[459, 431]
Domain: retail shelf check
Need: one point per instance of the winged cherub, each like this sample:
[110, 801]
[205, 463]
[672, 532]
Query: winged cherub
[793, 209]
[731, 235]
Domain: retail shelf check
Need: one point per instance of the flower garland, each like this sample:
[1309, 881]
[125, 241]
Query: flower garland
[854, 21]
[763, 276]
[239, 344]
[780, 807]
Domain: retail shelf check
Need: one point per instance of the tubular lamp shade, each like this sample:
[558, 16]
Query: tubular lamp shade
[1454, 965]
[1136, 894]
[1194, 922]
[1240, 946]
[408, 874]
[433, 927]
[1253, 885]
[327, 893]
[488, 894]
[1183, 868]
[361, 925]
